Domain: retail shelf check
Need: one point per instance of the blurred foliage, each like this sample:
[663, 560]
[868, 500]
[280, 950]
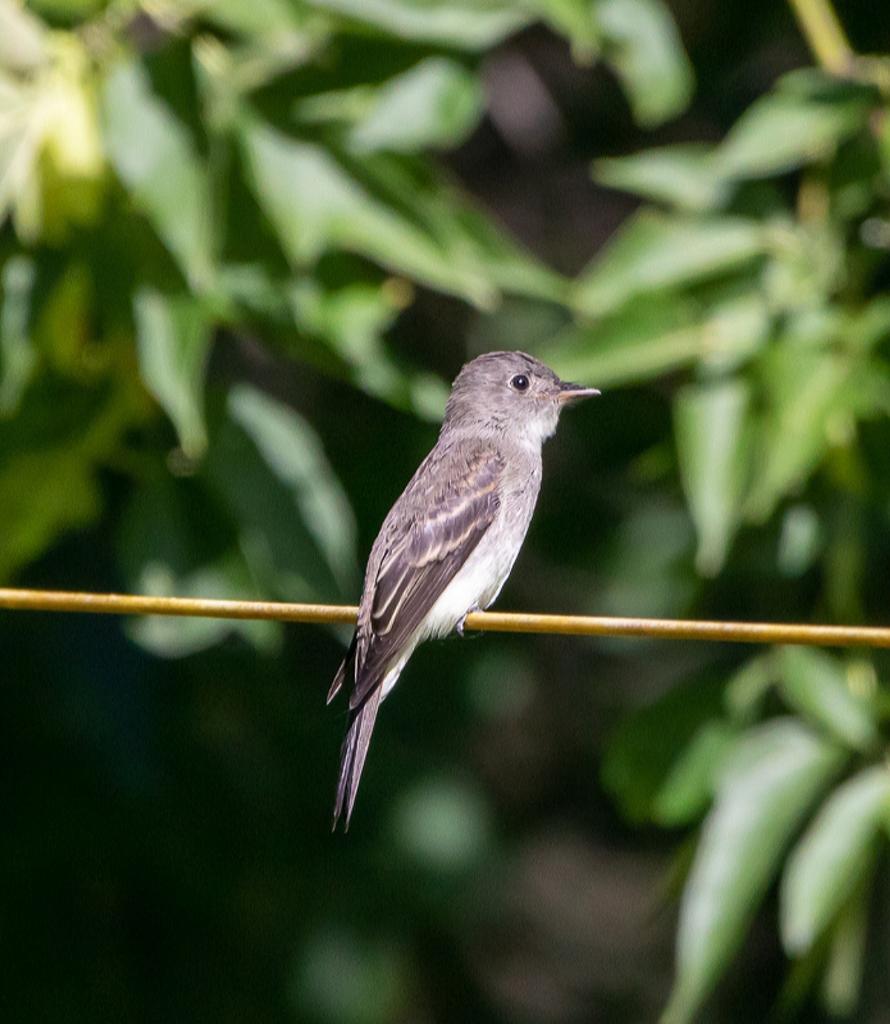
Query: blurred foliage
[185, 169]
[214, 213]
[767, 259]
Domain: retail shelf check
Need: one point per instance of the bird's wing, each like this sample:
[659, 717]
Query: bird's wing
[347, 665]
[420, 561]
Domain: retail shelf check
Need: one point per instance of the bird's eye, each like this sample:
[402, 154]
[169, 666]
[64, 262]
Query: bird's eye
[519, 382]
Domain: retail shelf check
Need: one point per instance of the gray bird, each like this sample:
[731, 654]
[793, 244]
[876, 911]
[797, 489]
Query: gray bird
[448, 544]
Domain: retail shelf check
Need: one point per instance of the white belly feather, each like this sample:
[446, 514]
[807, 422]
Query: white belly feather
[476, 585]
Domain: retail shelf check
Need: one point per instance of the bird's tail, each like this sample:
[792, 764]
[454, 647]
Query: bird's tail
[347, 667]
[353, 754]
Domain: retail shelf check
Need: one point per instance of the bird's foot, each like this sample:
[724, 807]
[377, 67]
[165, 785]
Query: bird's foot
[460, 626]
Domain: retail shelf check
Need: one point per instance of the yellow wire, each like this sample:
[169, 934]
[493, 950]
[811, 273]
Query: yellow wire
[501, 622]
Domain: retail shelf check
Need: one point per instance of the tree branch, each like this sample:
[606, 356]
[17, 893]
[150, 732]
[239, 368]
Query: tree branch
[825, 35]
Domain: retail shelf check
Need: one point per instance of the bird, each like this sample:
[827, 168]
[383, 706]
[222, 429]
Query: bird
[447, 545]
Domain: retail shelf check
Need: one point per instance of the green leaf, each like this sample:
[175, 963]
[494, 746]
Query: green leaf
[815, 684]
[800, 541]
[810, 392]
[264, 18]
[786, 129]
[397, 217]
[769, 782]
[351, 321]
[267, 466]
[655, 758]
[640, 40]
[712, 442]
[305, 195]
[155, 158]
[574, 19]
[468, 25]
[43, 494]
[807, 266]
[173, 334]
[654, 251]
[23, 38]
[436, 103]
[314, 205]
[466, 237]
[175, 541]
[636, 344]
[470, 236]
[50, 453]
[20, 181]
[17, 355]
[646, 339]
[842, 981]
[294, 453]
[682, 176]
[869, 325]
[252, 287]
[748, 687]
[689, 785]
[831, 858]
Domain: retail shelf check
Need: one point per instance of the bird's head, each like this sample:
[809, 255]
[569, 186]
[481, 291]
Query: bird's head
[510, 393]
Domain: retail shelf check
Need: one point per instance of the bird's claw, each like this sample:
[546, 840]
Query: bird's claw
[459, 628]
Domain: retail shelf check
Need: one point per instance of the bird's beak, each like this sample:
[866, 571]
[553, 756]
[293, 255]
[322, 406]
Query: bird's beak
[575, 392]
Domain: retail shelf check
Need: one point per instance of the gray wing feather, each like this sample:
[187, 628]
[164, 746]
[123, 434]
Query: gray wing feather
[427, 537]
[416, 569]
[346, 666]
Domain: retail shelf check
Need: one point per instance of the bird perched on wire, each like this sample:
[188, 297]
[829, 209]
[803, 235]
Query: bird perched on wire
[449, 542]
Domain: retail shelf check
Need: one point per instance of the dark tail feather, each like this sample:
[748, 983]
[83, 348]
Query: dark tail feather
[347, 667]
[353, 754]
